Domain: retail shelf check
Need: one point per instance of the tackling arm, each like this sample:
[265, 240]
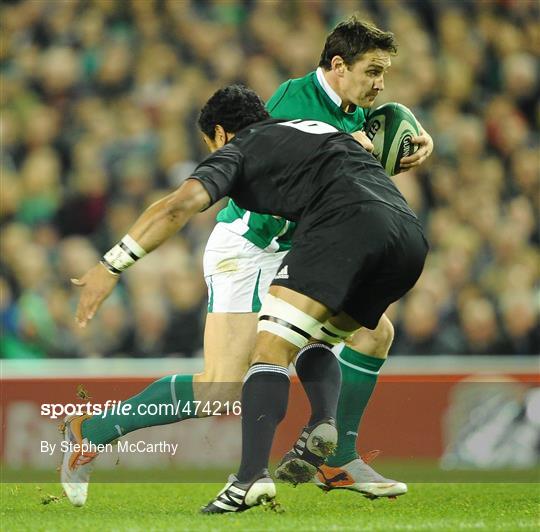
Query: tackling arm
[168, 215]
[157, 223]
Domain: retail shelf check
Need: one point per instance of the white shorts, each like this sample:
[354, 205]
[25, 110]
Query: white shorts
[237, 272]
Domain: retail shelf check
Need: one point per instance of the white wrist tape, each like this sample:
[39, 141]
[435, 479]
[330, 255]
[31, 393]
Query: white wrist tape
[134, 246]
[123, 255]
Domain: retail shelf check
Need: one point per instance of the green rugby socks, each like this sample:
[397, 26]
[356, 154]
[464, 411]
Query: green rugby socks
[359, 377]
[166, 400]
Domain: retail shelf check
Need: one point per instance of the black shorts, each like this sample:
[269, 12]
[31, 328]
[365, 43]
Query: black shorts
[358, 260]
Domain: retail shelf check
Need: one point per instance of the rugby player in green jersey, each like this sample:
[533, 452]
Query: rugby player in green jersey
[245, 249]
[241, 259]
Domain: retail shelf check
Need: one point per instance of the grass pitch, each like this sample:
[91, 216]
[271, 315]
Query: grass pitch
[452, 506]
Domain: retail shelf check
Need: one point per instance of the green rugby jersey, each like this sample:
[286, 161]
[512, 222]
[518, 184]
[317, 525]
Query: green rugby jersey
[308, 98]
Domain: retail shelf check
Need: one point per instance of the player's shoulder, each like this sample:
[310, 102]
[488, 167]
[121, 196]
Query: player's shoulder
[230, 154]
[304, 81]
[289, 90]
[250, 139]
[255, 127]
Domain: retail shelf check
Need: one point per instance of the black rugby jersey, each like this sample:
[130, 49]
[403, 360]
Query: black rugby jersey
[283, 168]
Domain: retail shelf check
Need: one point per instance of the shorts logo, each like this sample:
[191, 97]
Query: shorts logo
[283, 273]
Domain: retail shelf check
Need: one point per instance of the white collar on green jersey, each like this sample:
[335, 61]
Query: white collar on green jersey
[332, 94]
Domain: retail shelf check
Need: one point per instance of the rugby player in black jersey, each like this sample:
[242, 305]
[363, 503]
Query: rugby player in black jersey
[349, 213]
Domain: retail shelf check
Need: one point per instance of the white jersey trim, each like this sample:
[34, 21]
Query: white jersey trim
[332, 94]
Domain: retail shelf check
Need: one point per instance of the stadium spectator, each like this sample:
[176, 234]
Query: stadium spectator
[99, 100]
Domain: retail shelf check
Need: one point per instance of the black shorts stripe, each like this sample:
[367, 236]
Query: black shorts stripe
[128, 251]
[286, 324]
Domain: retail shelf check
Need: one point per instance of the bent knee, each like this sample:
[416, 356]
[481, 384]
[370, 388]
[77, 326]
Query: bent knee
[221, 374]
[216, 391]
[384, 335]
[375, 343]
[273, 349]
[281, 358]
[223, 369]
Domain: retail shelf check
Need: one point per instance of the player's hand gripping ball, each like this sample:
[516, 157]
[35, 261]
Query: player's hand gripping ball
[391, 128]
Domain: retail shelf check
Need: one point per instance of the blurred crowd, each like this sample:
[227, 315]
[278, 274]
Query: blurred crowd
[99, 103]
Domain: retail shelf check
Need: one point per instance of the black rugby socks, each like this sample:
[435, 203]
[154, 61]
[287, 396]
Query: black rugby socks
[265, 395]
[320, 375]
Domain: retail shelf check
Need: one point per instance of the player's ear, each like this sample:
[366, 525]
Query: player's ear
[220, 137]
[338, 65]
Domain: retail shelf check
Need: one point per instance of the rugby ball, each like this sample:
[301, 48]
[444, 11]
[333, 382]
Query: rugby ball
[390, 128]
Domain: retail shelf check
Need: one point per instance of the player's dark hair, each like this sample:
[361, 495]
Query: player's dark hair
[352, 38]
[234, 108]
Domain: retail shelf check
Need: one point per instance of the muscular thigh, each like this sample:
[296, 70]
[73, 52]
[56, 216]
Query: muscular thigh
[238, 275]
[229, 339]
[287, 322]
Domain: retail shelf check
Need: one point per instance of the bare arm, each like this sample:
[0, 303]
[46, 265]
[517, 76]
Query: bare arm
[155, 225]
[168, 215]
